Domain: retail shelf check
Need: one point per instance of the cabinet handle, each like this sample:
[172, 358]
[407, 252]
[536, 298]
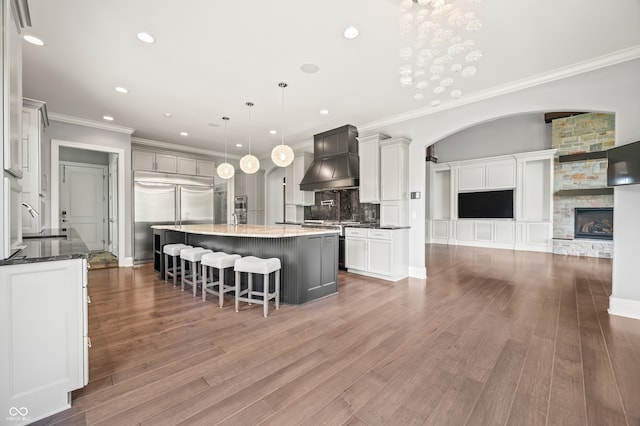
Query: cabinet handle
[88, 341]
[88, 299]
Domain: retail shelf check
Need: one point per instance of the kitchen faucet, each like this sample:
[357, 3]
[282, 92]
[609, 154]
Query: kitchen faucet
[30, 209]
[234, 219]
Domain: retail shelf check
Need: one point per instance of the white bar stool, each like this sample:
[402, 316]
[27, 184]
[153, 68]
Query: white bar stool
[173, 251]
[255, 265]
[220, 261]
[193, 256]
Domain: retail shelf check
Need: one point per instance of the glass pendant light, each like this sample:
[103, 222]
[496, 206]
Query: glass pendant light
[249, 164]
[282, 155]
[225, 170]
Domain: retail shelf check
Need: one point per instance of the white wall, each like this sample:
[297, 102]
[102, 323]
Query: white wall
[613, 89]
[504, 136]
[84, 156]
[88, 135]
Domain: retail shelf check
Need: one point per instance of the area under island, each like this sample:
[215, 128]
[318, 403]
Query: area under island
[309, 256]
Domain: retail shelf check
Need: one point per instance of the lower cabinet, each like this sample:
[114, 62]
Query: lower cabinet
[380, 253]
[43, 336]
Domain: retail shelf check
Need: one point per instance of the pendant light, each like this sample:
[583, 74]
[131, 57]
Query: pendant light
[282, 155]
[225, 170]
[249, 164]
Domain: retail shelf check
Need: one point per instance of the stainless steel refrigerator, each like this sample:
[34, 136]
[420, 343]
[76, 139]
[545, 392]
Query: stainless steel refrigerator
[160, 199]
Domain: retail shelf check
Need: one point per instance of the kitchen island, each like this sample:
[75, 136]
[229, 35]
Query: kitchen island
[309, 256]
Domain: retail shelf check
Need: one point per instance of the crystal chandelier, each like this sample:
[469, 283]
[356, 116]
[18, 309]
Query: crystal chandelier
[225, 170]
[282, 155]
[249, 163]
[439, 50]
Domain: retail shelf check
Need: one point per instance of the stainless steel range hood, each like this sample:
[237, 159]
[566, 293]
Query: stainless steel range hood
[336, 164]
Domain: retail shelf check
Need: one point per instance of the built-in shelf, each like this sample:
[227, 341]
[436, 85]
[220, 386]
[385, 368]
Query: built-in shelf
[583, 156]
[586, 191]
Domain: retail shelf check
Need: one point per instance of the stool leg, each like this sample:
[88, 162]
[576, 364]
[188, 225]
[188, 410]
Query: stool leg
[278, 289]
[250, 287]
[204, 281]
[221, 286]
[195, 278]
[237, 290]
[183, 272]
[265, 295]
[174, 261]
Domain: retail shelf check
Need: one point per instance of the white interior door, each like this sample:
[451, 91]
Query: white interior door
[83, 203]
[113, 205]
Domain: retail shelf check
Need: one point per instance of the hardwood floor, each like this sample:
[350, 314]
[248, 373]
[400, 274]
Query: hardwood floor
[491, 337]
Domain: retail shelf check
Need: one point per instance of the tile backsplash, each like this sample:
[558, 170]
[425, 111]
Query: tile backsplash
[342, 205]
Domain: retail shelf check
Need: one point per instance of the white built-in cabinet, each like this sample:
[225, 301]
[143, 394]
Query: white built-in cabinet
[530, 175]
[369, 153]
[394, 182]
[380, 253]
[34, 119]
[253, 186]
[171, 163]
[11, 52]
[44, 321]
[293, 175]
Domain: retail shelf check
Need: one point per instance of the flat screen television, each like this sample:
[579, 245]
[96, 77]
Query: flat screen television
[623, 164]
[486, 205]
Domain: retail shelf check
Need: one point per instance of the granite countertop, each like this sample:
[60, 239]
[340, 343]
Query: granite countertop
[256, 231]
[289, 223]
[47, 246]
[375, 226]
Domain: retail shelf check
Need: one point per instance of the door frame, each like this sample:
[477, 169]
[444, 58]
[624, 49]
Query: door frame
[105, 188]
[55, 184]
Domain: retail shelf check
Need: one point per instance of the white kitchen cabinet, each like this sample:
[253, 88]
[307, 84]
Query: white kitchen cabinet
[187, 166]
[205, 168]
[43, 320]
[166, 163]
[394, 182]
[34, 118]
[12, 89]
[486, 175]
[293, 176]
[380, 253]
[369, 153]
[152, 162]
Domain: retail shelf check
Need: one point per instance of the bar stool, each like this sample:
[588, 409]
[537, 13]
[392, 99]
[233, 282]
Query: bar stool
[173, 251]
[255, 265]
[193, 256]
[220, 261]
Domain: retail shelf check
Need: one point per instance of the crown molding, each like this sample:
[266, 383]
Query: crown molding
[181, 148]
[599, 62]
[89, 123]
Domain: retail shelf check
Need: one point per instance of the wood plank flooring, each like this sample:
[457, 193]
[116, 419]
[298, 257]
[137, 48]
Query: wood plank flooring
[491, 337]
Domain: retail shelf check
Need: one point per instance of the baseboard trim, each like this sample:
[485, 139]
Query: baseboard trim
[624, 307]
[126, 262]
[415, 272]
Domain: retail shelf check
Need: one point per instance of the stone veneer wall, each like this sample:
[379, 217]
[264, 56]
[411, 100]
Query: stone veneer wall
[572, 135]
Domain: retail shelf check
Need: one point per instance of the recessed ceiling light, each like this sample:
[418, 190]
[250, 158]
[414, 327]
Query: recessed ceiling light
[324, 111]
[121, 89]
[34, 40]
[167, 114]
[107, 117]
[239, 145]
[309, 68]
[184, 134]
[351, 33]
[273, 132]
[146, 37]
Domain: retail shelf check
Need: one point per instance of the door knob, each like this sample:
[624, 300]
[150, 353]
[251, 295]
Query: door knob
[64, 213]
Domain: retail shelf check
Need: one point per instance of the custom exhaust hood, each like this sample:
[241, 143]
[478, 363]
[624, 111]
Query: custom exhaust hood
[336, 164]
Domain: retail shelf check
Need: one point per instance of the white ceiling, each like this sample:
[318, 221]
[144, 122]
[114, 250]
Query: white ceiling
[210, 57]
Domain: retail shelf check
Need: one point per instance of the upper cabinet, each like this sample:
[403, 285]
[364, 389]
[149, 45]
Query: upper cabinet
[369, 152]
[293, 175]
[486, 175]
[169, 163]
[12, 88]
[394, 182]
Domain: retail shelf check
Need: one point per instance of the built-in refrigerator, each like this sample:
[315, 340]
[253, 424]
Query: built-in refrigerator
[161, 199]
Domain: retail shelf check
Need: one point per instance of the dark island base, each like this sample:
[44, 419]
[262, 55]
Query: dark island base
[309, 263]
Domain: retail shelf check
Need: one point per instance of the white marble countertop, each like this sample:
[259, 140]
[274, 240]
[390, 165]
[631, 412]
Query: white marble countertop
[255, 231]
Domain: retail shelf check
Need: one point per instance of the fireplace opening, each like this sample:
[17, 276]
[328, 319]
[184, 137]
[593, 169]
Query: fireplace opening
[594, 222]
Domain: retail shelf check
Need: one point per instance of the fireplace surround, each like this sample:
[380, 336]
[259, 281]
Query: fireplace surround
[593, 223]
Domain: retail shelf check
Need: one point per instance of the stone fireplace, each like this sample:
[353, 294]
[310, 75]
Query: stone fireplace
[596, 223]
[582, 202]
